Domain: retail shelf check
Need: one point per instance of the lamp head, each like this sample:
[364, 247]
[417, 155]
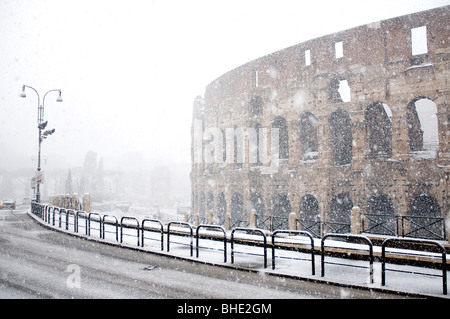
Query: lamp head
[22, 94]
[59, 99]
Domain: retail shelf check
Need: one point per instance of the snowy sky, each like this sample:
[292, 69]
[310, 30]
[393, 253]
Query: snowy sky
[129, 70]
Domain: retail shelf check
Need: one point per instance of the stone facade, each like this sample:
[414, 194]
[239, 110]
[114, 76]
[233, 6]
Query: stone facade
[348, 108]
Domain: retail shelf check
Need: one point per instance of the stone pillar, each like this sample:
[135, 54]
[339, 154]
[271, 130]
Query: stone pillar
[356, 227]
[74, 201]
[292, 221]
[252, 218]
[209, 217]
[196, 219]
[87, 203]
[53, 200]
[227, 221]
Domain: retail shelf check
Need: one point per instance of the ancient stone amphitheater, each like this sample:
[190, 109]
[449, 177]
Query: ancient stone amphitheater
[362, 119]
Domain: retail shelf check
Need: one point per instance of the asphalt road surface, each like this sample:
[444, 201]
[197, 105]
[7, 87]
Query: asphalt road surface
[36, 262]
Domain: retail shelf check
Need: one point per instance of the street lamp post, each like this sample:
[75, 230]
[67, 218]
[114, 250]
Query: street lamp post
[41, 126]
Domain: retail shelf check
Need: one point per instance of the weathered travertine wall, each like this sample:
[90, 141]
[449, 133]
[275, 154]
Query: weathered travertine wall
[348, 108]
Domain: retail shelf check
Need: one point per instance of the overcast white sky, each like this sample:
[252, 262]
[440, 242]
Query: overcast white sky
[129, 70]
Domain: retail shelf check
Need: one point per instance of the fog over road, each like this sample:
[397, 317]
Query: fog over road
[36, 262]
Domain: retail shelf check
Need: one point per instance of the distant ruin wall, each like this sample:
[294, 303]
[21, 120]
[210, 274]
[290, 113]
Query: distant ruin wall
[363, 120]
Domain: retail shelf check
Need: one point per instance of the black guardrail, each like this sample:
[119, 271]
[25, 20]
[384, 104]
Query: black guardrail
[191, 232]
[161, 230]
[348, 238]
[248, 231]
[99, 219]
[297, 232]
[105, 222]
[76, 222]
[215, 227]
[403, 242]
[129, 226]
[49, 214]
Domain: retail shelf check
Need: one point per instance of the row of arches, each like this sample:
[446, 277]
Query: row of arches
[379, 206]
[421, 121]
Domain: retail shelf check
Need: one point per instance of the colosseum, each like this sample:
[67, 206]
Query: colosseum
[361, 120]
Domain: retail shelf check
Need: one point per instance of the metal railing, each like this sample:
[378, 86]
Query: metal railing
[378, 224]
[416, 241]
[347, 238]
[77, 215]
[313, 226]
[191, 232]
[99, 220]
[161, 230]
[423, 227]
[318, 227]
[404, 226]
[335, 227]
[49, 215]
[105, 222]
[129, 226]
[252, 231]
[272, 223]
[215, 227]
[297, 232]
[382, 224]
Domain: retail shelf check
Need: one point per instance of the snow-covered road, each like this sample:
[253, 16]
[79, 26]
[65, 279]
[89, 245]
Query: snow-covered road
[36, 262]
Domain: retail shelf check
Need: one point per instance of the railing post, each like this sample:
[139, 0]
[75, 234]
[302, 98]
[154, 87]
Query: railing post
[116, 224]
[252, 218]
[355, 225]
[60, 216]
[224, 239]
[181, 224]
[299, 232]
[75, 226]
[346, 237]
[209, 216]
[161, 227]
[196, 219]
[411, 240]
[99, 223]
[53, 217]
[248, 230]
[292, 221]
[227, 221]
[121, 227]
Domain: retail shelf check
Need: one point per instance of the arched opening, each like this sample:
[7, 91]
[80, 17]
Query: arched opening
[281, 207]
[202, 202]
[257, 203]
[421, 116]
[280, 123]
[308, 136]
[210, 201]
[380, 217]
[379, 129]
[221, 208]
[425, 217]
[341, 137]
[309, 214]
[255, 149]
[309, 207]
[340, 210]
[237, 210]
